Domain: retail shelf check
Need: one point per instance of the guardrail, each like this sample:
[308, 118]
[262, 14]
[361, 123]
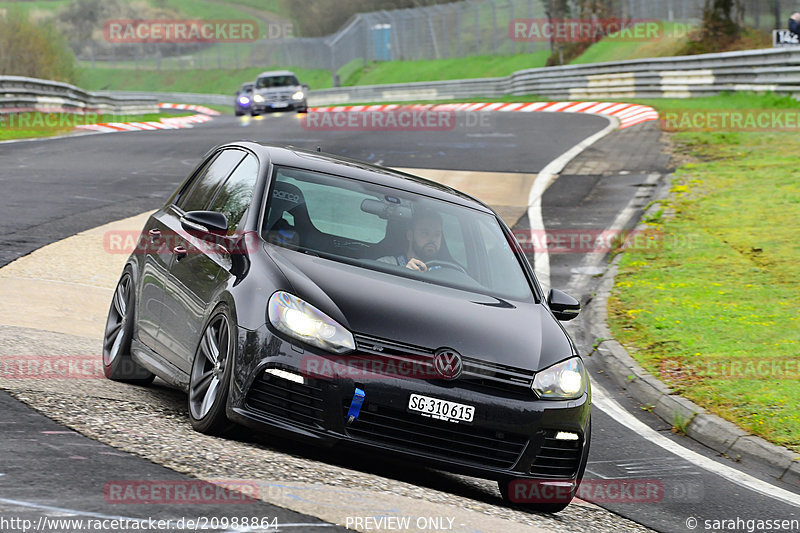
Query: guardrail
[18, 94]
[769, 70]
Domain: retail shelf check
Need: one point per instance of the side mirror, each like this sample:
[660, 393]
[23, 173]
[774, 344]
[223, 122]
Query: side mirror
[306, 87]
[205, 222]
[563, 306]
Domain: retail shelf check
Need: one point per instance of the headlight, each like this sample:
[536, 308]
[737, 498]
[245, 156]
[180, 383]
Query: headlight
[244, 100]
[258, 98]
[564, 381]
[298, 95]
[304, 322]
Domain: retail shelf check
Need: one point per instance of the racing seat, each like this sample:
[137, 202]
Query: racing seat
[287, 222]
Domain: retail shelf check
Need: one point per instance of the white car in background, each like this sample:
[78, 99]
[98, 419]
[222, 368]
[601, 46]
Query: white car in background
[278, 90]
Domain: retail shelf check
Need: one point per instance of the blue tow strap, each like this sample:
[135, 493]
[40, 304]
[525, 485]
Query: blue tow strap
[355, 406]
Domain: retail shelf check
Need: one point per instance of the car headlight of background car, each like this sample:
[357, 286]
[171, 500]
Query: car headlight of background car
[298, 95]
[244, 100]
[563, 381]
[302, 321]
[258, 98]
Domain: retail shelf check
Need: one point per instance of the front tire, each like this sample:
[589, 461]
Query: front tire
[555, 507]
[117, 362]
[210, 376]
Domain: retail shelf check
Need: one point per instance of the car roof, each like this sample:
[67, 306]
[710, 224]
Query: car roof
[342, 166]
[276, 73]
[248, 84]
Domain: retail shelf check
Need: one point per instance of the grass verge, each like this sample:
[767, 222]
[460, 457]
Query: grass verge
[35, 124]
[714, 312]
[206, 81]
[441, 69]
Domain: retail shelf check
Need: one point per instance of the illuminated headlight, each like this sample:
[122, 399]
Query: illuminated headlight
[258, 98]
[304, 322]
[298, 95]
[244, 100]
[564, 381]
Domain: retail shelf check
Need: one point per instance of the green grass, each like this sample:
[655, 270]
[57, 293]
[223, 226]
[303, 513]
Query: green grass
[210, 81]
[669, 43]
[442, 69]
[270, 6]
[722, 294]
[38, 5]
[35, 124]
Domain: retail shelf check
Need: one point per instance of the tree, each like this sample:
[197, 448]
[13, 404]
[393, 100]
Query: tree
[722, 25]
[33, 50]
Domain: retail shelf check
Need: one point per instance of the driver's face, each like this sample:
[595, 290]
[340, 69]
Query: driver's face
[426, 239]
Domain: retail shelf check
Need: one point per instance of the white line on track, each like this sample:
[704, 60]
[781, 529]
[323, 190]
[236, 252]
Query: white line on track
[578, 281]
[603, 400]
[543, 180]
[600, 398]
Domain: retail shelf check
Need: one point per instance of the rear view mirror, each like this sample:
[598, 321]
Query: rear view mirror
[563, 306]
[386, 211]
[205, 222]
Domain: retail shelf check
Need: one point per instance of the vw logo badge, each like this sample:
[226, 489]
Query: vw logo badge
[447, 364]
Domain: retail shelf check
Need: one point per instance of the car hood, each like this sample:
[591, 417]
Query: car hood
[520, 334]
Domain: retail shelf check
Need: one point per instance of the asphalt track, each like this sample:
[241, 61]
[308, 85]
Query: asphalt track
[53, 189]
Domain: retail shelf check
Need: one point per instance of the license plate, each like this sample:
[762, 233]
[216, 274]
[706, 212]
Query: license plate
[280, 104]
[441, 409]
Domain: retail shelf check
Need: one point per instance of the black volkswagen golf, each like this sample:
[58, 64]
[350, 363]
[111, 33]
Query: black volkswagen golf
[350, 304]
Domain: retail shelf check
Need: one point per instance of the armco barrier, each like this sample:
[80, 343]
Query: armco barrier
[768, 70]
[18, 94]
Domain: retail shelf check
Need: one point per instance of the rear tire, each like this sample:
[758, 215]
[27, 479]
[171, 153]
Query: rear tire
[117, 361]
[210, 377]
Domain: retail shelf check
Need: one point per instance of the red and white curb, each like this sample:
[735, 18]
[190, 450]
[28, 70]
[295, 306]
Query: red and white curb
[169, 123]
[627, 114]
[189, 107]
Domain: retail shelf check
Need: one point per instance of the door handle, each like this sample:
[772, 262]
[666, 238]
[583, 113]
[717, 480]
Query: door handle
[155, 235]
[180, 252]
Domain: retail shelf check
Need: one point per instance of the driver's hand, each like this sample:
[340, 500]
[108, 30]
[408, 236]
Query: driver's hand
[416, 264]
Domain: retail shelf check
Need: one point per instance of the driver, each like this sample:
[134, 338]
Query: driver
[424, 238]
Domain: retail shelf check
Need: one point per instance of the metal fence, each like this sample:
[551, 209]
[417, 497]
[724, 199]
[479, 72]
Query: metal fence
[453, 30]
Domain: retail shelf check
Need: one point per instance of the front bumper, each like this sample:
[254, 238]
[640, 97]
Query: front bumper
[290, 105]
[511, 436]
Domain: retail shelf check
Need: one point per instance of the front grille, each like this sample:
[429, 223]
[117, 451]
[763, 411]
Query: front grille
[479, 373]
[287, 400]
[557, 458]
[439, 439]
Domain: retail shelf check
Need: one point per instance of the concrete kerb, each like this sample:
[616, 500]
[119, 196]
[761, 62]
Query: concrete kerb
[708, 429]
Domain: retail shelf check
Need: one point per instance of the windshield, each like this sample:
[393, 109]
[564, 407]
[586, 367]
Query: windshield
[276, 81]
[392, 231]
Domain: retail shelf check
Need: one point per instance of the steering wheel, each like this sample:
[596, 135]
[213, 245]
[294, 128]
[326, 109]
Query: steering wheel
[445, 264]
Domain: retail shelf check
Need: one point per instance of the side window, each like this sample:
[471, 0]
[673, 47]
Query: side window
[454, 237]
[205, 185]
[234, 197]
